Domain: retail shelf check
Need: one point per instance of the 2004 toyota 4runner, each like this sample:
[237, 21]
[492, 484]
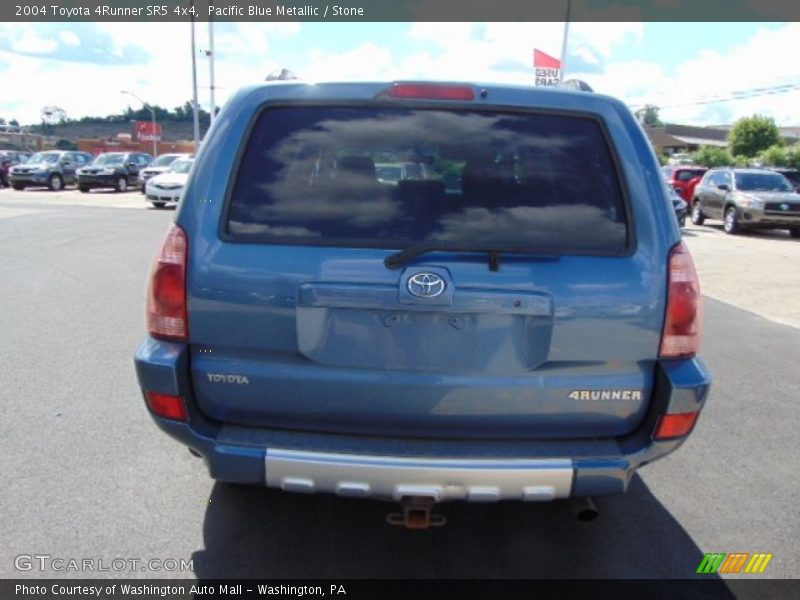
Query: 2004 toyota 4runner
[520, 324]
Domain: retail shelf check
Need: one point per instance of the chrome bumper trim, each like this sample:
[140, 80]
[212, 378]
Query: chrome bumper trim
[392, 477]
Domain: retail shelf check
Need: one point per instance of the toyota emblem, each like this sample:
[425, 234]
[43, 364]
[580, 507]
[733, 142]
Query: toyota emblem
[426, 285]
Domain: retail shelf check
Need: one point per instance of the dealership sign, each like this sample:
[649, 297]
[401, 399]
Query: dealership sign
[546, 68]
[146, 131]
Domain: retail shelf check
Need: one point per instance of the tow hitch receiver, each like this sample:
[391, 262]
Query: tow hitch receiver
[416, 514]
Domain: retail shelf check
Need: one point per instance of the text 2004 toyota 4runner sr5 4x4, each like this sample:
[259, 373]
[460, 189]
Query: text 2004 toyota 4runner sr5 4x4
[520, 324]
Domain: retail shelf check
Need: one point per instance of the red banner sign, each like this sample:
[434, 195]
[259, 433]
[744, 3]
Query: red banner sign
[547, 68]
[146, 131]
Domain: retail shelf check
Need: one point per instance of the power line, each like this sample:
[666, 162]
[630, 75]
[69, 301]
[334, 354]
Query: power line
[737, 95]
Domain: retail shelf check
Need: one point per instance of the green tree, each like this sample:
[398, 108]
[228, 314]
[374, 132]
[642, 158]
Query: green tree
[751, 135]
[710, 156]
[775, 156]
[14, 123]
[793, 156]
[648, 115]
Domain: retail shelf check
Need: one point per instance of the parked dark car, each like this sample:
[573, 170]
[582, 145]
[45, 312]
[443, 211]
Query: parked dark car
[681, 178]
[747, 199]
[529, 334]
[8, 159]
[679, 205]
[118, 170]
[53, 168]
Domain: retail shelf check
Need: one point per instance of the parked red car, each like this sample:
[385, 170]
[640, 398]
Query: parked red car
[684, 178]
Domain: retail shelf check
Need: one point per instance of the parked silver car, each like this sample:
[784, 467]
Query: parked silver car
[160, 165]
[747, 198]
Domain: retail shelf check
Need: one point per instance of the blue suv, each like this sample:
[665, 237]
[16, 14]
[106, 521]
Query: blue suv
[521, 322]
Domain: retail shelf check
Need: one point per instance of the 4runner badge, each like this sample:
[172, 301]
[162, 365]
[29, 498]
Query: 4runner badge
[605, 395]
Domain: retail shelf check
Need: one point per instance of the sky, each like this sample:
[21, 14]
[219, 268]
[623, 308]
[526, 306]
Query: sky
[82, 67]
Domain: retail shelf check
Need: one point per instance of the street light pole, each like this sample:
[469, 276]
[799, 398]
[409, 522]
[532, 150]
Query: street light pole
[564, 43]
[152, 115]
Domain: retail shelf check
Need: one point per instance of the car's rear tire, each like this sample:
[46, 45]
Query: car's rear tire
[795, 233]
[84, 188]
[18, 186]
[121, 184]
[697, 217]
[159, 204]
[55, 183]
[731, 221]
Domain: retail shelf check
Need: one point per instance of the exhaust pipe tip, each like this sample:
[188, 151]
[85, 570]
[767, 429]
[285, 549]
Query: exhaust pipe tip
[585, 509]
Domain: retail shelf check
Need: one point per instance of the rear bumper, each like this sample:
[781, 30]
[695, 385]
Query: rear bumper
[389, 468]
[396, 477]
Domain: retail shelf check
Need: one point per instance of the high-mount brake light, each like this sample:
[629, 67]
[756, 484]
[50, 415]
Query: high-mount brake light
[682, 325]
[166, 297]
[430, 91]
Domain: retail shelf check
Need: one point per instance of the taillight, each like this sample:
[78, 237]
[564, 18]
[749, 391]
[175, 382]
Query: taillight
[681, 335]
[677, 425]
[428, 91]
[165, 405]
[166, 298]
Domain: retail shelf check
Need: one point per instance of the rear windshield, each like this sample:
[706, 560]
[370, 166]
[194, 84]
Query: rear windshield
[689, 174]
[390, 177]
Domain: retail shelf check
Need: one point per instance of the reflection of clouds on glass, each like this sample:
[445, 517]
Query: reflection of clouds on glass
[263, 228]
[471, 132]
[359, 204]
[584, 227]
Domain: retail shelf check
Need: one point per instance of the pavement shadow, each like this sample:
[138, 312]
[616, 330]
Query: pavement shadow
[262, 533]
[778, 235]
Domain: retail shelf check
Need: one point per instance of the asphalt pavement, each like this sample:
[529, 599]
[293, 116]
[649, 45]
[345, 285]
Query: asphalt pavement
[87, 475]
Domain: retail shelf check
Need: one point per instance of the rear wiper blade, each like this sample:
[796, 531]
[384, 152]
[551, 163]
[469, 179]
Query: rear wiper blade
[398, 259]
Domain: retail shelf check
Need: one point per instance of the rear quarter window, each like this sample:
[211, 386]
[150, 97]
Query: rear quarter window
[319, 175]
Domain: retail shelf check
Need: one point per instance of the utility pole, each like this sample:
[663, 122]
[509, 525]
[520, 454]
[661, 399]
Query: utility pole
[194, 85]
[211, 66]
